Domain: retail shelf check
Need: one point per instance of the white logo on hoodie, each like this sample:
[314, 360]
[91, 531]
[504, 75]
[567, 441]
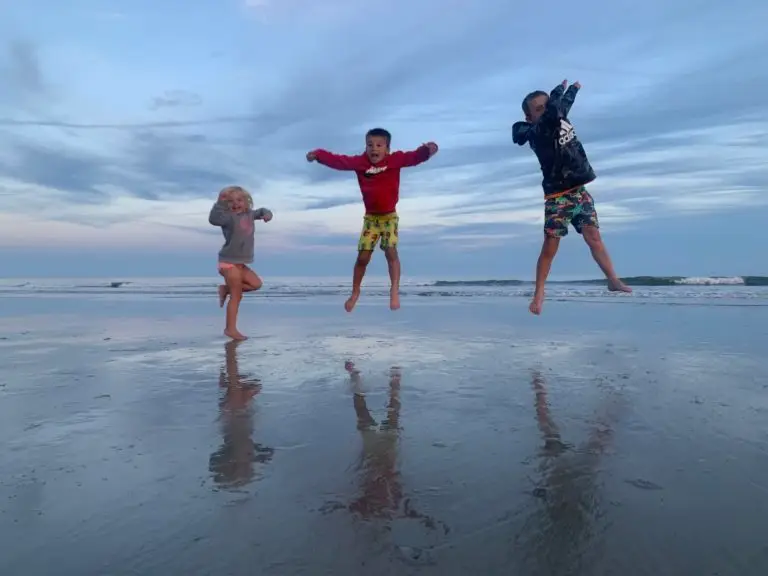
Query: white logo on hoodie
[567, 133]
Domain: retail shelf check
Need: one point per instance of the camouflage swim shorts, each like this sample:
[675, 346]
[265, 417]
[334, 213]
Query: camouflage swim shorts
[574, 207]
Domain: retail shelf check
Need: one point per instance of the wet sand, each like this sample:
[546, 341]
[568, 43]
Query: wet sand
[449, 438]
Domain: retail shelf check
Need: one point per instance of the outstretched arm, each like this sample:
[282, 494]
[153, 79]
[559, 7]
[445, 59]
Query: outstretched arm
[337, 161]
[220, 213]
[262, 214]
[423, 153]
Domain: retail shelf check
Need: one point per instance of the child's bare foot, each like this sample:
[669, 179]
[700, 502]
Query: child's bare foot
[235, 334]
[349, 305]
[394, 299]
[616, 285]
[222, 295]
[536, 304]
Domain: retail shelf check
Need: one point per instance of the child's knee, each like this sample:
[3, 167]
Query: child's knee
[391, 254]
[364, 257]
[551, 244]
[591, 236]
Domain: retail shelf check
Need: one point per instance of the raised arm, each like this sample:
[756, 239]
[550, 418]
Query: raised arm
[220, 214]
[338, 161]
[400, 159]
[560, 102]
[262, 214]
[569, 98]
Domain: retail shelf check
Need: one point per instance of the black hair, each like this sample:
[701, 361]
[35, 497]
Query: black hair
[530, 97]
[380, 133]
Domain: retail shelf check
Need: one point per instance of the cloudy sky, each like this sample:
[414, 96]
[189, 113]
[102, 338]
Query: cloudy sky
[120, 121]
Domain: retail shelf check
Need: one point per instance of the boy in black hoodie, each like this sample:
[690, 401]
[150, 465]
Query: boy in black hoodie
[566, 172]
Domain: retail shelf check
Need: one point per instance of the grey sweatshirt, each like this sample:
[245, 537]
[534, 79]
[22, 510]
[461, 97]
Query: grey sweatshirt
[237, 230]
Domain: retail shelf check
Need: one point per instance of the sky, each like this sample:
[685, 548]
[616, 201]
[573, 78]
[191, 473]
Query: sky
[121, 121]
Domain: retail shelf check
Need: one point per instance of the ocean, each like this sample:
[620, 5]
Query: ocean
[734, 290]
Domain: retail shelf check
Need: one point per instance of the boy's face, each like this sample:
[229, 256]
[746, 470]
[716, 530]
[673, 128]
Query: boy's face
[376, 148]
[536, 107]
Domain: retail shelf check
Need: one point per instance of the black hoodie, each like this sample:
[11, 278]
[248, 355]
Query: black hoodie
[564, 163]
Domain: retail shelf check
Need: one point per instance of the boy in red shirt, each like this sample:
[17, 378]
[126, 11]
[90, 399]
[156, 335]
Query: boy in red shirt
[378, 173]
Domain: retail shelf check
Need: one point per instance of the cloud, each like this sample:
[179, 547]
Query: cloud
[24, 87]
[175, 99]
[24, 68]
[669, 119]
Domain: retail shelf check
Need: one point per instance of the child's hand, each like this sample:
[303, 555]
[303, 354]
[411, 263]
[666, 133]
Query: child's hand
[577, 85]
[564, 83]
[267, 216]
[432, 148]
[225, 196]
[311, 156]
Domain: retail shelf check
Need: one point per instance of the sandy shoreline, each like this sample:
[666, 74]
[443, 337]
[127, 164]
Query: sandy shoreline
[465, 439]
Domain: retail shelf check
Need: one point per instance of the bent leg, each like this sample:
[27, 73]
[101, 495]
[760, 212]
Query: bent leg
[586, 223]
[600, 254]
[251, 280]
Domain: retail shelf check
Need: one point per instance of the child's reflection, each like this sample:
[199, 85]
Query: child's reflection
[233, 464]
[560, 531]
[380, 479]
[380, 485]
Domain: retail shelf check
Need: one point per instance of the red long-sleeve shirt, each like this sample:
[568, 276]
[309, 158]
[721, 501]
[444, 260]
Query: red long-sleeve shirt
[380, 182]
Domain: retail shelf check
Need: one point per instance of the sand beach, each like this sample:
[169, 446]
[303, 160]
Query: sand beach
[460, 435]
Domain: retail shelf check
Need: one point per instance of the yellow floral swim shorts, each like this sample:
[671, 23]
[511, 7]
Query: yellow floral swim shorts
[379, 227]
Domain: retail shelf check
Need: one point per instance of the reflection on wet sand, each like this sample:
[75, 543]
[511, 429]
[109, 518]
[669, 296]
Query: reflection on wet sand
[380, 483]
[233, 464]
[561, 534]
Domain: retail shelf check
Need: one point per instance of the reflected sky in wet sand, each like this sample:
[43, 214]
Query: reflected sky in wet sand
[473, 441]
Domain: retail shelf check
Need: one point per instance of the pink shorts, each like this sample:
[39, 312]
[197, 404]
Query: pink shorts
[226, 266]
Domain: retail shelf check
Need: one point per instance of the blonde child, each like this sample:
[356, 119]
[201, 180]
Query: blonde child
[234, 213]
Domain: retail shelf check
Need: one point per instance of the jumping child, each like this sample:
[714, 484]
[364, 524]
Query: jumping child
[234, 213]
[566, 172]
[378, 174]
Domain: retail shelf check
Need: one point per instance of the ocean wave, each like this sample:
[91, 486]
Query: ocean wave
[449, 283]
[630, 280]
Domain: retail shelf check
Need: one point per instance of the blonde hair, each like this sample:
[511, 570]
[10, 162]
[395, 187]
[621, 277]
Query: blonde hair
[239, 190]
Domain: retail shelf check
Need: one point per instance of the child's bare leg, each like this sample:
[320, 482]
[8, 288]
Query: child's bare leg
[251, 280]
[543, 266]
[233, 277]
[393, 263]
[600, 254]
[363, 258]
